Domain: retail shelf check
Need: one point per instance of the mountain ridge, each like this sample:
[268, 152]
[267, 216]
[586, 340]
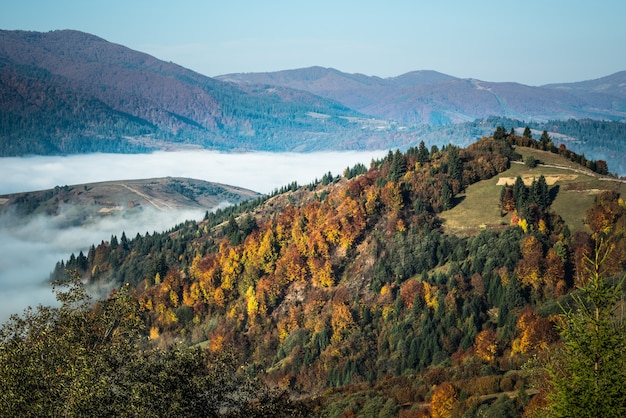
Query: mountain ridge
[109, 92]
[67, 92]
[430, 97]
[80, 204]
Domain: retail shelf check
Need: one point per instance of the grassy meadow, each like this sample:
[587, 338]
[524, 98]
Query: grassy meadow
[478, 207]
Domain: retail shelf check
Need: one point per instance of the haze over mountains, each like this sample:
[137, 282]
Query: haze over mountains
[435, 98]
[67, 92]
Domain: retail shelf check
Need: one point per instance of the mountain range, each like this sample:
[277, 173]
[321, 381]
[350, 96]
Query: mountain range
[66, 91]
[436, 98]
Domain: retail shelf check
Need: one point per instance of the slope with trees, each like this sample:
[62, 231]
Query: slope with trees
[348, 292]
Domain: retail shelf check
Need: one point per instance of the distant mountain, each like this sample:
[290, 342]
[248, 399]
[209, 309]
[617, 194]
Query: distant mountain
[68, 91]
[610, 86]
[438, 99]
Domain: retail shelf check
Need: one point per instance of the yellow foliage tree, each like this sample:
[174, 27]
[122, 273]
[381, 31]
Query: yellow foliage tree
[321, 272]
[534, 332]
[174, 299]
[154, 333]
[530, 268]
[523, 223]
[252, 304]
[431, 296]
[443, 400]
[231, 268]
[341, 321]
[486, 345]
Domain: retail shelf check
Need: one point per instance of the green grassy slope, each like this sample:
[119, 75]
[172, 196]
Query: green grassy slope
[478, 207]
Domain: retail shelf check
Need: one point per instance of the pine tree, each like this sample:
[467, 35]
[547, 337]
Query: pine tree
[545, 140]
[519, 193]
[398, 166]
[422, 153]
[543, 193]
[500, 133]
[588, 378]
[446, 195]
[527, 133]
[455, 166]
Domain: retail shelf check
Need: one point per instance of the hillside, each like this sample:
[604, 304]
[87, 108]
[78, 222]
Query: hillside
[68, 92]
[610, 86]
[439, 99]
[356, 293]
[88, 203]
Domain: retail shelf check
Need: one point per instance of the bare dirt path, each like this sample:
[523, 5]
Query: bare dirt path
[158, 205]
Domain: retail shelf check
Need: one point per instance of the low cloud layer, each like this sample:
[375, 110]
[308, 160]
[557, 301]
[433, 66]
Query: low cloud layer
[258, 171]
[29, 251]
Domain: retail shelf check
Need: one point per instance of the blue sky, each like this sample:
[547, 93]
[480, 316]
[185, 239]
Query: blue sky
[533, 42]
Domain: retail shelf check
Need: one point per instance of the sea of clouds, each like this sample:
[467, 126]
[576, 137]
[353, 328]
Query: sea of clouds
[29, 251]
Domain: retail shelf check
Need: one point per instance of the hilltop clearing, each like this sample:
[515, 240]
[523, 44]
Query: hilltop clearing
[575, 189]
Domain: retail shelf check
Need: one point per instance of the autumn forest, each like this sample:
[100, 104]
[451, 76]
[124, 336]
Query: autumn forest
[349, 297]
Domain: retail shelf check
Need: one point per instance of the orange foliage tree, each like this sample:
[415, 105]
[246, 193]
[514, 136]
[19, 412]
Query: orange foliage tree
[444, 400]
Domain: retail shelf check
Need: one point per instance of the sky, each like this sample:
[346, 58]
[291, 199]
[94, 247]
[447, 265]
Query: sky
[533, 42]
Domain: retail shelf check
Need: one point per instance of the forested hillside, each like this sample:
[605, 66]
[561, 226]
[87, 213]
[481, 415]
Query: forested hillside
[67, 92]
[348, 293]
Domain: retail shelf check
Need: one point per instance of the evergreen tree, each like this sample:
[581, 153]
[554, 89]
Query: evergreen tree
[545, 140]
[589, 375]
[446, 195]
[527, 133]
[398, 166]
[114, 242]
[422, 153]
[500, 133]
[455, 167]
[124, 241]
[542, 193]
[519, 193]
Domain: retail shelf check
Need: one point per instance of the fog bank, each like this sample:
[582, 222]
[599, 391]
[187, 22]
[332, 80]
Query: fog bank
[259, 171]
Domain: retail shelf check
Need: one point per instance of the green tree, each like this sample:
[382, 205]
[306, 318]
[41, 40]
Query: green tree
[398, 166]
[500, 133]
[587, 378]
[545, 140]
[85, 359]
[446, 195]
[520, 194]
[422, 153]
[530, 161]
[454, 163]
[527, 133]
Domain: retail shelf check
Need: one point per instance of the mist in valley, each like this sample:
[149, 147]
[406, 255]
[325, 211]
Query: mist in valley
[29, 249]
